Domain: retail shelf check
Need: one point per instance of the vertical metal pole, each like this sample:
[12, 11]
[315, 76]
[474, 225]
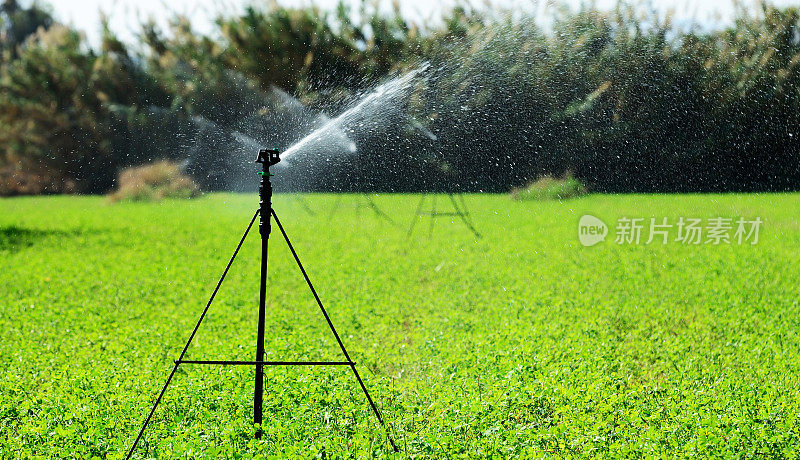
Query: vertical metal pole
[265, 206]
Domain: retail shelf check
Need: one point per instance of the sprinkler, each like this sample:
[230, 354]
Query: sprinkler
[265, 213]
[459, 206]
[268, 157]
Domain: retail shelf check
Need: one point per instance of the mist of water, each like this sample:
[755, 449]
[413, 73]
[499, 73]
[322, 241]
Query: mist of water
[373, 109]
[220, 150]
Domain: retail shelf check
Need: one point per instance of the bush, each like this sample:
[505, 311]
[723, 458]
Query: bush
[19, 181]
[162, 179]
[550, 188]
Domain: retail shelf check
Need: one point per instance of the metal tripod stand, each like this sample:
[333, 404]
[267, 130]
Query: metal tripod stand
[367, 202]
[459, 209]
[267, 158]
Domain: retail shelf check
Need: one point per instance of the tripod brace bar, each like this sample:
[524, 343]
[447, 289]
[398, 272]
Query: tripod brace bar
[270, 363]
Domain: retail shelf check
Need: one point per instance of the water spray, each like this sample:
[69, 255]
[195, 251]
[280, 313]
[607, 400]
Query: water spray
[265, 213]
[377, 101]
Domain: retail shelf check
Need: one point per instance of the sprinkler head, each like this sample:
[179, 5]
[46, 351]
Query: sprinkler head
[268, 157]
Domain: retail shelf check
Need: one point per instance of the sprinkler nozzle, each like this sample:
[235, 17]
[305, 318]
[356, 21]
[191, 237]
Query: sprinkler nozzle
[269, 157]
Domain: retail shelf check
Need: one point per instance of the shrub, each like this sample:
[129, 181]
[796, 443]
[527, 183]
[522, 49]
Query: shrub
[15, 180]
[162, 179]
[551, 188]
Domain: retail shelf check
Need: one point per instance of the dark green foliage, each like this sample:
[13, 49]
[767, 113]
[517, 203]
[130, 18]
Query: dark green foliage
[626, 107]
[624, 99]
[51, 114]
[309, 51]
[56, 103]
[18, 23]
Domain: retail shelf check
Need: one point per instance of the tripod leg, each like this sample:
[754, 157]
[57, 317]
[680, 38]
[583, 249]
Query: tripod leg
[333, 329]
[463, 215]
[378, 210]
[456, 206]
[464, 208]
[152, 410]
[191, 337]
[374, 407]
[335, 208]
[304, 204]
[463, 202]
[416, 215]
[433, 216]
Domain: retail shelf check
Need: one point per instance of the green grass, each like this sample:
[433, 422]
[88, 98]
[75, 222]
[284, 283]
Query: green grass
[521, 344]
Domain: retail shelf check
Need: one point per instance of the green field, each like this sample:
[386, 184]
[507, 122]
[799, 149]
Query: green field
[521, 344]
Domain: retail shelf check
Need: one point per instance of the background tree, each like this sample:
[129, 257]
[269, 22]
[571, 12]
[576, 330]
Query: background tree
[623, 99]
